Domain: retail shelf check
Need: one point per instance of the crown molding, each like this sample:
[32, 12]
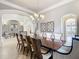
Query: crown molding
[16, 6]
[64, 2]
[14, 12]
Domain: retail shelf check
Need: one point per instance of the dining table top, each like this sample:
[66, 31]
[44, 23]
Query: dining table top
[55, 45]
[48, 42]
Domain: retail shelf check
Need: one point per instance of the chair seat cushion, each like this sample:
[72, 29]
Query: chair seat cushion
[25, 44]
[68, 41]
[44, 50]
[20, 42]
[46, 56]
[64, 49]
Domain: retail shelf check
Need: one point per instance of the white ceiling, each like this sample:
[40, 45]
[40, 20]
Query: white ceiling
[32, 6]
[35, 5]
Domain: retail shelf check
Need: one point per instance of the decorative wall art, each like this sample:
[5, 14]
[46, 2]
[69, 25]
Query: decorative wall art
[47, 27]
[43, 27]
[50, 26]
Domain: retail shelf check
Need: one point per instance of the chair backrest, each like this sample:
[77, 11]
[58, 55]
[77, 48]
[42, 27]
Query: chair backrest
[70, 48]
[68, 41]
[36, 47]
[57, 36]
[17, 38]
[22, 39]
[28, 39]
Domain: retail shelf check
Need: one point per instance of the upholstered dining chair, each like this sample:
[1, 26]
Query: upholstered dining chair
[24, 44]
[76, 37]
[29, 45]
[67, 46]
[19, 44]
[37, 50]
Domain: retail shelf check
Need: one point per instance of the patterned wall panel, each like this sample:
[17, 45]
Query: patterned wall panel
[47, 27]
[50, 26]
[43, 27]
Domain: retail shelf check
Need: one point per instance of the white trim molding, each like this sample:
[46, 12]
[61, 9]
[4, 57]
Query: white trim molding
[63, 2]
[13, 12]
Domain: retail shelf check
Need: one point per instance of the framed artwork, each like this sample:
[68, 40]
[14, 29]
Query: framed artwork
[50, 26]
[43, 27]
[47, 27]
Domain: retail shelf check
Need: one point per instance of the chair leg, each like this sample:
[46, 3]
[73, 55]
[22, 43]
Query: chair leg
[31, 56]
[35, 57]
[51, 57]
[18, 47]
[27, 51]
[23, 50]
[17, 44]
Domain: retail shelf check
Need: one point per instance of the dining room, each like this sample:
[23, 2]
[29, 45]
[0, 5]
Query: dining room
[39, 29]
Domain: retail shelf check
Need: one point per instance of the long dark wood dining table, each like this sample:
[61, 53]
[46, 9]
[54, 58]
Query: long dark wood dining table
[49, 43]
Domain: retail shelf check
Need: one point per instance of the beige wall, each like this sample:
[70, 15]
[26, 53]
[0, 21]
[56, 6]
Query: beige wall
[76, 11]
[0, 26]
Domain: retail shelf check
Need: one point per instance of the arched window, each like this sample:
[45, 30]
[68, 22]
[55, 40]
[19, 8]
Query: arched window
[70, 26]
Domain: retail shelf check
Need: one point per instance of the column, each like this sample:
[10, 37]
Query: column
[0, 29]
[0, 26]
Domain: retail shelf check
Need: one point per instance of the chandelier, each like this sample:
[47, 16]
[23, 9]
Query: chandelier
[37, 16]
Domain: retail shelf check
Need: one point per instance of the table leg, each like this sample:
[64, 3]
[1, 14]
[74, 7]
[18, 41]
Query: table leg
[51, 57]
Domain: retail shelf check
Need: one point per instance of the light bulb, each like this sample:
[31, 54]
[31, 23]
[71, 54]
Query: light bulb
[36, 15]
[32, 17]
[42, 16]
